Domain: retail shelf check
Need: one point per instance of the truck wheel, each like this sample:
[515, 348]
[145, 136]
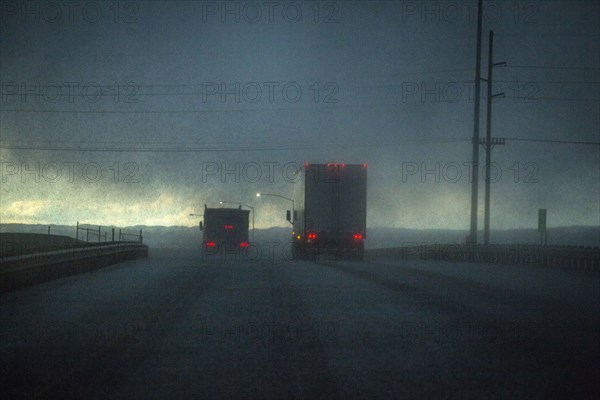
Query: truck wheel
[297, 252]
[360, 256]
[359, 253]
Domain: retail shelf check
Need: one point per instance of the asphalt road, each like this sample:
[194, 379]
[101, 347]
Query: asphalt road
[177, 326]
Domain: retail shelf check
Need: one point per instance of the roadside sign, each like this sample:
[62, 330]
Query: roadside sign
[542, 220]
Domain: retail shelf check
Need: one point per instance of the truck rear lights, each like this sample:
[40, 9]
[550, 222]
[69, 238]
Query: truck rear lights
[210, 244]
[358, 236]
[244, 244]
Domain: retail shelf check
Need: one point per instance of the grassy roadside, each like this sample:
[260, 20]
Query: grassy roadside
[17, 244]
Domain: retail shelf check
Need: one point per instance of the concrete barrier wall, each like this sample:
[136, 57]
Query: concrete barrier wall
[574, 257]
[27, 270]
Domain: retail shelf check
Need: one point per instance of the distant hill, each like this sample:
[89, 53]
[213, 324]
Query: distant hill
[190, 237]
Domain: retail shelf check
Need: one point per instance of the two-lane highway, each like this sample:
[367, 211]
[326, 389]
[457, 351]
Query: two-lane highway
[177, 326]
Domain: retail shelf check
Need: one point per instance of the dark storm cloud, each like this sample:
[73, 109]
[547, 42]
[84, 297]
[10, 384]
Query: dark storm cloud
[187, 86]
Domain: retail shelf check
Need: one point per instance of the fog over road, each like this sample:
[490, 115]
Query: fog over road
[176, 326]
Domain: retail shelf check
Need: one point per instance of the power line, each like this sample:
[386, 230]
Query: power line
[531, 100]
[146, 111]
[443, 71]
[193, 92]
[554, 68]
[188, 148]
[560, 99]
[553, 82]
[553, 141]
[562, 34]
[133, 85]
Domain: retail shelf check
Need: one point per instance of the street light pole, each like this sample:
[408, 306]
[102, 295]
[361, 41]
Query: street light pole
[283, 197]
[200, 222]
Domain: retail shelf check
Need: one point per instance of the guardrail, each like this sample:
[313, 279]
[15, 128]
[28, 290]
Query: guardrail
[30, 269]
[98, 233]
[575, 257]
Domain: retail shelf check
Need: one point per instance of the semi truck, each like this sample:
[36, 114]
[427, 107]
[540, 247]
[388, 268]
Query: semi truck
[330, 211]
[224, 230]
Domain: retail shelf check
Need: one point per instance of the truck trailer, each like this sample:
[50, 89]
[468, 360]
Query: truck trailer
[224, 230]
[330, 211]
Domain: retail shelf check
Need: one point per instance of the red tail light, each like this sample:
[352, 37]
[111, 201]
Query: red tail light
[358, 236]
[244, 244]
[210, 244]
[228, 226]
[311, 236]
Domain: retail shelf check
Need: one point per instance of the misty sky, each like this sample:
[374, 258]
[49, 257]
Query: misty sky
[127, 113]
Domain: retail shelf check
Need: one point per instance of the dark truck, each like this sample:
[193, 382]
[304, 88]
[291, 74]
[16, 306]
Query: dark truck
[330, 211]
[224, 230]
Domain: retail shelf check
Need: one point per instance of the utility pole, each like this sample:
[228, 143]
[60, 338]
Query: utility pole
[475, 164]
[489, 143]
